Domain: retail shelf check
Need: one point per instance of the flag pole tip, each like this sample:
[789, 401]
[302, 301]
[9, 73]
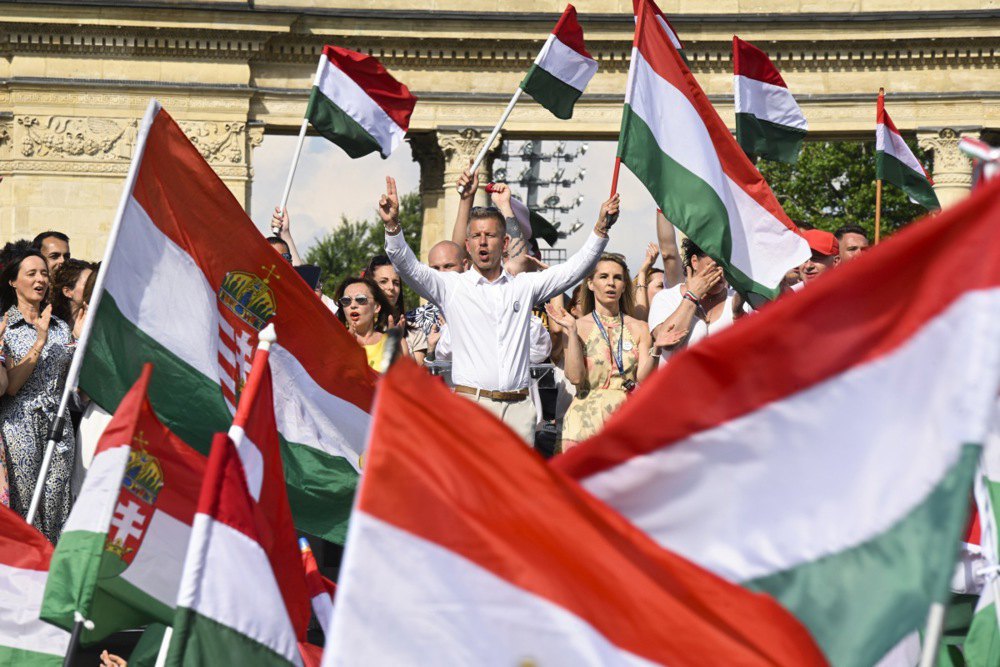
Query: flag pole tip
[267, 335]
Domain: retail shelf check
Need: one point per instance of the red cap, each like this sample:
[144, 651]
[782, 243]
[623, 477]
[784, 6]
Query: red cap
[822, 242]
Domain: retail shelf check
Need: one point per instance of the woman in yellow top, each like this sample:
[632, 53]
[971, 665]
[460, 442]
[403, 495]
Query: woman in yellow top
[607, 351]
[364, 310]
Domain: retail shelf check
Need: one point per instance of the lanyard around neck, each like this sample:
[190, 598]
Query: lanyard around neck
[604, 334]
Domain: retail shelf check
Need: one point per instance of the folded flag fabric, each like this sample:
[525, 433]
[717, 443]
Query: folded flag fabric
[357, 104]
[119, 560]
[981, 647]
[562, 69]
[448, 562]
[673, 140]
[769, 122]
[661, 18]
[852, 524]
[255, 435]
[229, 608]
[896, 163]
[189, 285]
[25, 640]
[532, 224]
[321, 589]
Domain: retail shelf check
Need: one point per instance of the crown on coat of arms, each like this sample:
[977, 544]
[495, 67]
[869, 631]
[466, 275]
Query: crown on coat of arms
[249, 297]
[143, 476]
[118, 548]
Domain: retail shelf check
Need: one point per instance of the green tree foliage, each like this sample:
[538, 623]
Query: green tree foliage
[347, 250]
[833, 184]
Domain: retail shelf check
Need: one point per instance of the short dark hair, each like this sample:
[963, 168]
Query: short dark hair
[485, 212]
[689, 250]
[37, 243]
[850, 229]
[66, 275]
[274, 240]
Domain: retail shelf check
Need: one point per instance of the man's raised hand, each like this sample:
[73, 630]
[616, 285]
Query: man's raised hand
[388, 206]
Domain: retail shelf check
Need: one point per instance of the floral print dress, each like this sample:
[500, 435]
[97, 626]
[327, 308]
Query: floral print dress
[25, 417]
[604, 389]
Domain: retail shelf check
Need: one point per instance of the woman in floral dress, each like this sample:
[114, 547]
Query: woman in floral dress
[38, 348]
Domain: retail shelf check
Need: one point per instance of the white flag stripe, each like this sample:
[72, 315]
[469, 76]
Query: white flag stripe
[768, 102]
[228, 579]
[251, 457]
[778, 461]
[310, 415]
[761, 244]
[322, 606]
[894, 145]
[453, 613]
[356, 103]
[155, 569]
[565, 64]
[670, 32]
[99, 493]
[20, 627]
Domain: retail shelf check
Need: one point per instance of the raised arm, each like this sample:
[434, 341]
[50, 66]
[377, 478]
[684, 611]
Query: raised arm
[281, 224]
[467, 187]
[673, 267]
[558, 279]
[639, 283]
[424, 280]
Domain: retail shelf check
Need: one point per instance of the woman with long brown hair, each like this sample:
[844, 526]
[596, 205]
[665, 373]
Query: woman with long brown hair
[607, 350]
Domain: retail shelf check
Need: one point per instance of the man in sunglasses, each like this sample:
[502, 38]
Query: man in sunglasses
[487, 309]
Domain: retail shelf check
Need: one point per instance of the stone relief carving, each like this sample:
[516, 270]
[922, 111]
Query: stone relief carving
[67, 136]
[217, 142]
[426, 152]
[951, 166]
[458, 147]
[5, 139]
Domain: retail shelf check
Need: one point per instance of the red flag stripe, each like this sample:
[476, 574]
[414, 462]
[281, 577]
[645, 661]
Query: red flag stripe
[569, 32]
[751, 62]
[392, 96]
[21, 545]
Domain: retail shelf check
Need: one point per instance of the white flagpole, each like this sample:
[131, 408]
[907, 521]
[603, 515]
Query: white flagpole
[496, 131]
[298, 145]
[57, 424]
[161, 657]
[932, 634]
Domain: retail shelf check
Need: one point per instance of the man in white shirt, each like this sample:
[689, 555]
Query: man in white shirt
[489, 311]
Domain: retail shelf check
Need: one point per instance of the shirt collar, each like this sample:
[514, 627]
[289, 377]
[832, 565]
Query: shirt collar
[480, 279]
[14, 316]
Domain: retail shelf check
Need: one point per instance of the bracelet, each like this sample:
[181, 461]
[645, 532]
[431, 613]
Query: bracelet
[640, 285]
[692, 298]
[394, 230]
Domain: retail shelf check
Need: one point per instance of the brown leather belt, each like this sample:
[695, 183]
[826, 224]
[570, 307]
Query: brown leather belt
[518, 395]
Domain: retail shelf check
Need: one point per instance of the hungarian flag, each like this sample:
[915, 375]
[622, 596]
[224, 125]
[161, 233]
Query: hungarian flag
[981, 647]
[229, 609]
[25, 640]
[562, 69]
[673, 140]
[896, 163]
[769, 123]
[661, 18]
[256, 438]
[466, 548]
[823, 451]
[188, 285]
[356, 104]
[321, 589]
[120, 556]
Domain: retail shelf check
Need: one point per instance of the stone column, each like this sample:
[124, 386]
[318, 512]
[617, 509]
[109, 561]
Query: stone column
[443, 156]
[952, 172]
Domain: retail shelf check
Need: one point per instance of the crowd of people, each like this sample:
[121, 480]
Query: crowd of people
[551, 351]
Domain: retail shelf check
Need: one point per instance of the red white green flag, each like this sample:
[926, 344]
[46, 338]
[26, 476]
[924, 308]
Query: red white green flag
[896, 163]
[188, 284]
[321, 589]
[25, 640]
[357, 104]
[119, 559]
[562, 69]
[466, 548]
[229, 608]
[673, 140]
[769, 122]
[661, 18]
[822, 452]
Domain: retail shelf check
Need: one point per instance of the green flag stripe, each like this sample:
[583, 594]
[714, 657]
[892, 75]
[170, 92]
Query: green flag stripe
[203, 641]
[16, 657]
[686, 200]
[893, 578]
[551, 92]
[914, 184]
[320, 486]
[765, 139]
[333, 123]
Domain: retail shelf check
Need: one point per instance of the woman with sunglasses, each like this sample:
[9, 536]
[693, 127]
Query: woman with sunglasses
[364, 310]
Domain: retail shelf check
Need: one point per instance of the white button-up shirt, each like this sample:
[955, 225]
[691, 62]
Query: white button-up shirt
[489, 322]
